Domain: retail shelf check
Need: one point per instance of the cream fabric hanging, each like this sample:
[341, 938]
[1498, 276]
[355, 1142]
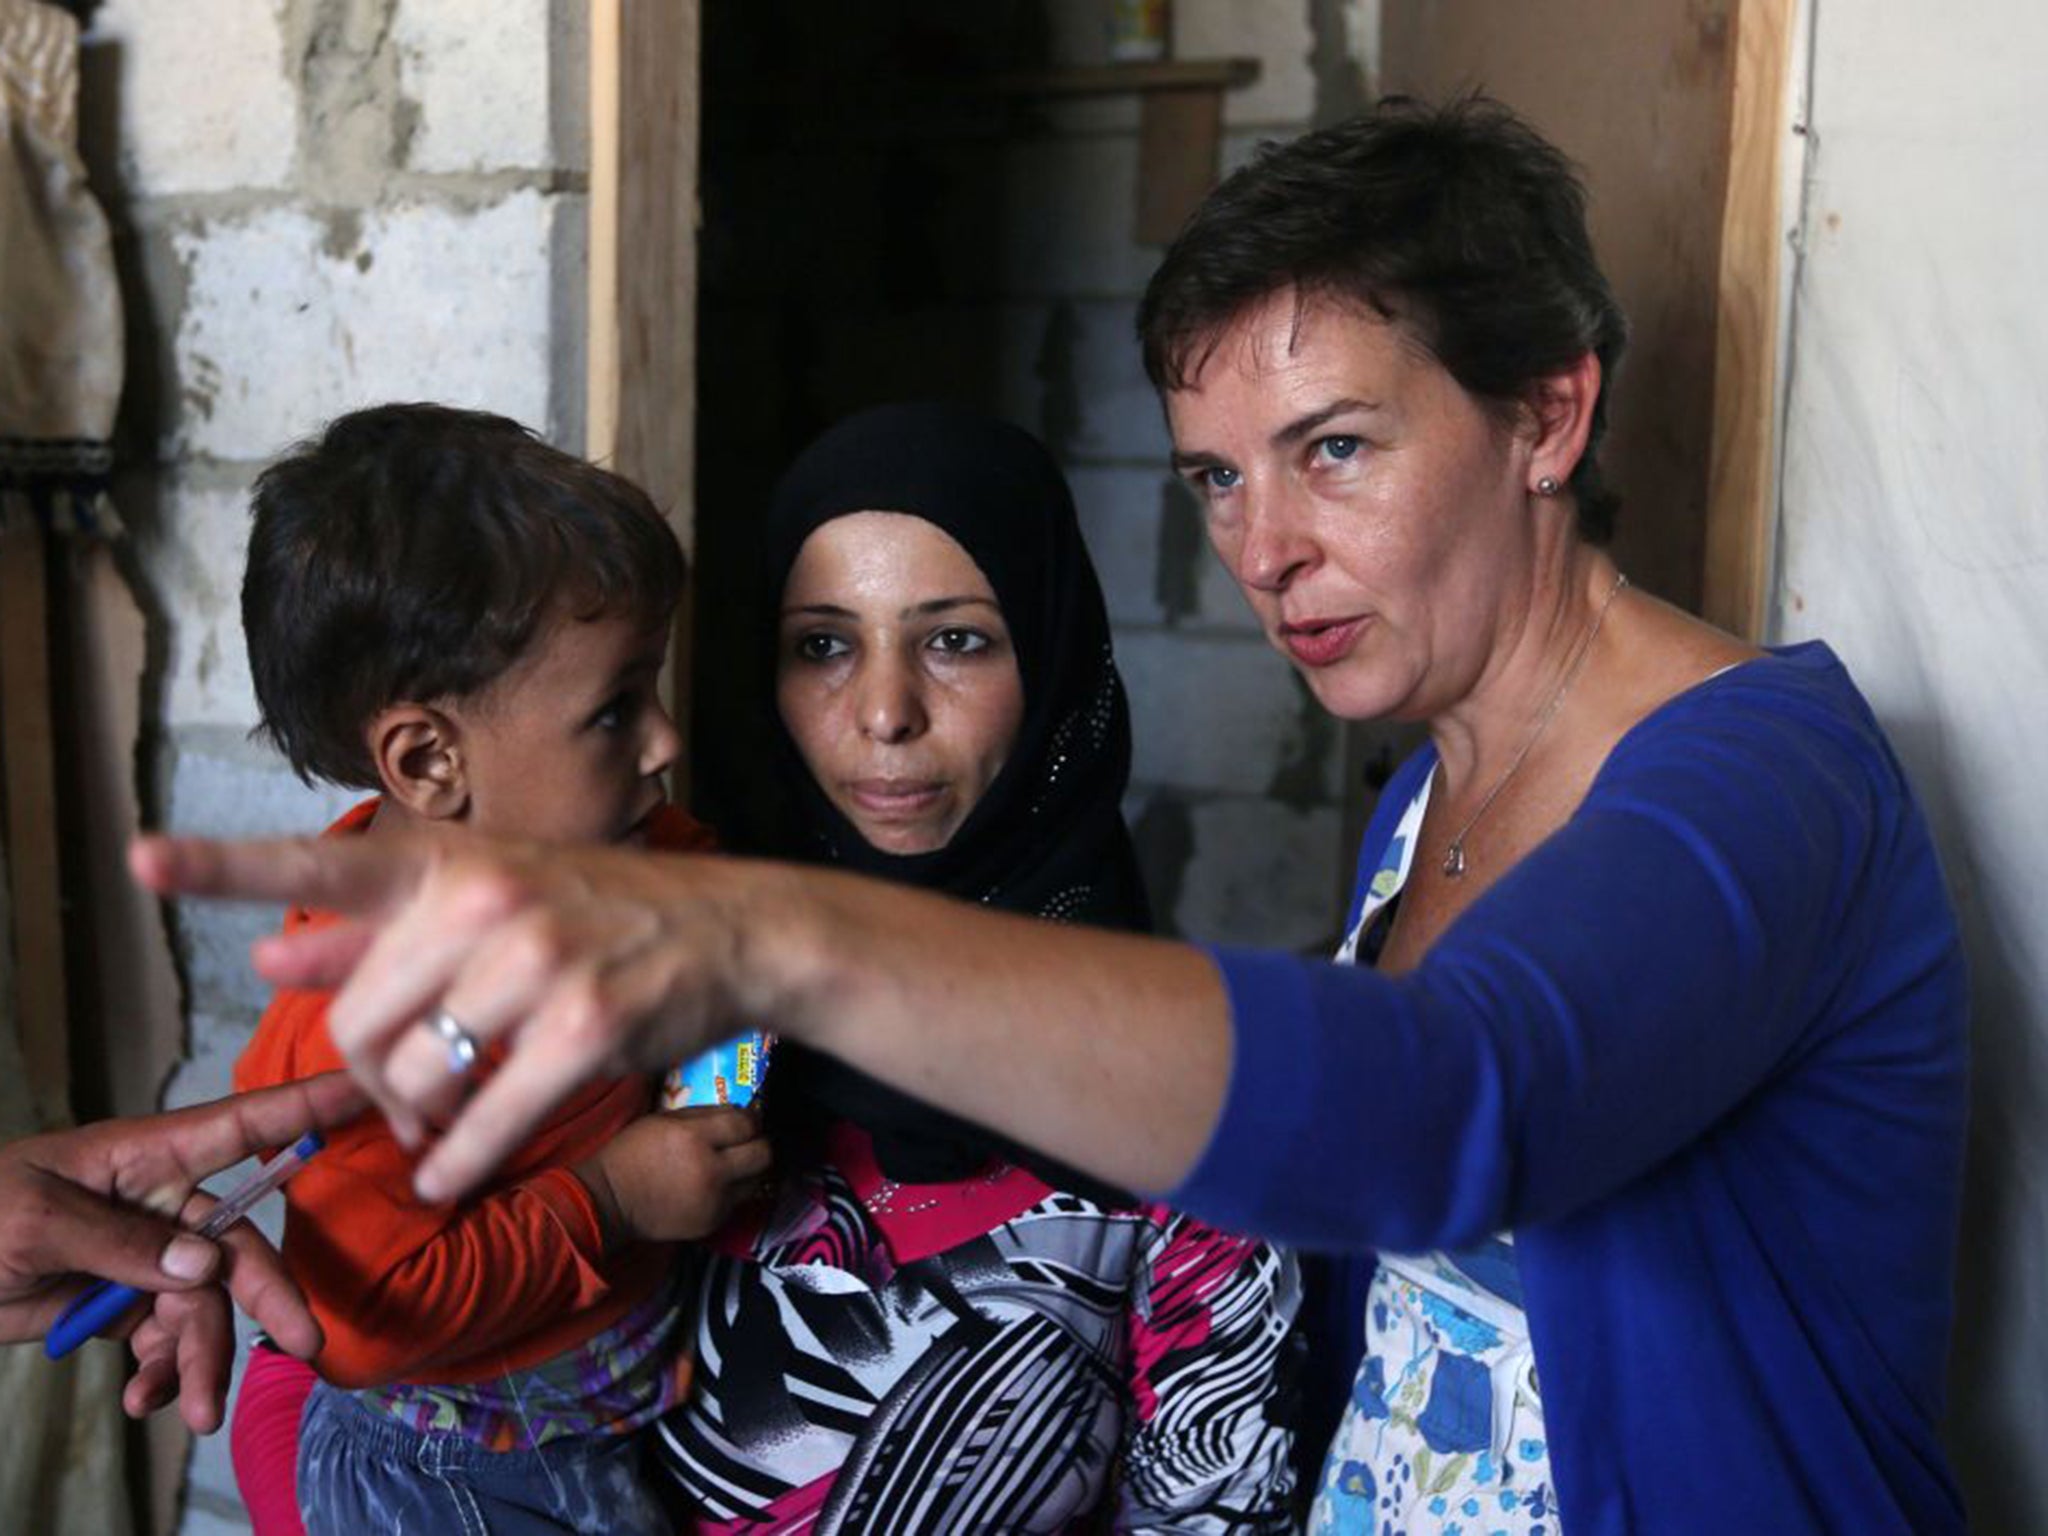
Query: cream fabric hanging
[62, 1462]
[63, 1459]
[60, 309]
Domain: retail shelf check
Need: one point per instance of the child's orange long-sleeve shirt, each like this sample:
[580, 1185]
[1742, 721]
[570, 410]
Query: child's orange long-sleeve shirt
[411, 1292]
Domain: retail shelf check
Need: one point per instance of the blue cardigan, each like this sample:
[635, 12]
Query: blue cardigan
[1704, 1051]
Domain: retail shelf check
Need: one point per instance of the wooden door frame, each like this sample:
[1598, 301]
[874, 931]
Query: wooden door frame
[641, 357]
[1750, 323]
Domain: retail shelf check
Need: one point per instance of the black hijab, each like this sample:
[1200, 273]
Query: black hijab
[1048, 837]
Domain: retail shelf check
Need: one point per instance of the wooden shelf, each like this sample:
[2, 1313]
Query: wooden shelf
[1113, 79]
[1180, 126]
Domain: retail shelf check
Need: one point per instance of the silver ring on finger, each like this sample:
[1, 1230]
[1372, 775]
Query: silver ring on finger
[463, 1049]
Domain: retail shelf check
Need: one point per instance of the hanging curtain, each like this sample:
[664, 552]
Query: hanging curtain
[60, 309]
[63, 1460]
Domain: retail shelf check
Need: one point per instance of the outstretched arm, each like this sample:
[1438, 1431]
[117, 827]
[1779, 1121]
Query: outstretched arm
[1108, 1051]
[1630, 982]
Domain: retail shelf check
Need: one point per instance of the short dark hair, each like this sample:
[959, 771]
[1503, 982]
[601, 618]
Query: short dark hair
[1459, 222]
[415, 552]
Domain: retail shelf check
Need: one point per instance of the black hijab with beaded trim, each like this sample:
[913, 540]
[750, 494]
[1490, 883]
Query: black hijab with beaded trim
[1048, 837]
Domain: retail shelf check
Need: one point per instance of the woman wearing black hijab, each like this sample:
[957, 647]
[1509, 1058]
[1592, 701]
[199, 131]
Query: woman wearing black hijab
[933, 1329]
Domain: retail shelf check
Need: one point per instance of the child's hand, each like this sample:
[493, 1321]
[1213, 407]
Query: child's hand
[674, 1176]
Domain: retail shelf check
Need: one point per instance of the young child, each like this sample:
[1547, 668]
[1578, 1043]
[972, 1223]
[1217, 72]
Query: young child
[445, 610]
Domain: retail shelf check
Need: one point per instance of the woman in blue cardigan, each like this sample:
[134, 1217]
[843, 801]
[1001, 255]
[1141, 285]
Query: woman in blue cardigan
[1641, 1068]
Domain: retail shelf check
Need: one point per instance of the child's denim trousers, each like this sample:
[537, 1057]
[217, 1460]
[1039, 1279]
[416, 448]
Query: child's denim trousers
[362, 1473]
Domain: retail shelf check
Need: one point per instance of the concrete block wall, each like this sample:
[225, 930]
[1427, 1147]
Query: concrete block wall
[1239, 779]
[318, 204]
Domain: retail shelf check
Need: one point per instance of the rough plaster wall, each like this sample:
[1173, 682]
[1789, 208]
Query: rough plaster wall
[1915, 540]
[319, 204]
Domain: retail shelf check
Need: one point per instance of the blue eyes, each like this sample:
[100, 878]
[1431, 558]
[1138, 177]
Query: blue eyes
[1214, 480]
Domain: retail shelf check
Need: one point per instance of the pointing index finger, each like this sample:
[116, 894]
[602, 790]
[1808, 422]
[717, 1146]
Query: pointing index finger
[342, 874]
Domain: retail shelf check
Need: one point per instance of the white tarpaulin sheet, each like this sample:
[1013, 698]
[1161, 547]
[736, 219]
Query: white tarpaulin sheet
[1915, 539]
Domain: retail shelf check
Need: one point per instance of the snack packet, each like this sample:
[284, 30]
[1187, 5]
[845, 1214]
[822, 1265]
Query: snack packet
[726, 1074]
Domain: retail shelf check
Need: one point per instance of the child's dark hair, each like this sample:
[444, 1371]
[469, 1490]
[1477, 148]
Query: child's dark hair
[414, 552]
[1460, 222]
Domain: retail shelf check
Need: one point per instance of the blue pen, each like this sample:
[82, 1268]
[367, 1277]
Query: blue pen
[107, 1301]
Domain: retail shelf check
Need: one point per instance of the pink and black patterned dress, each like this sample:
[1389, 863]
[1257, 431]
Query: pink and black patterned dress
[984, 1355]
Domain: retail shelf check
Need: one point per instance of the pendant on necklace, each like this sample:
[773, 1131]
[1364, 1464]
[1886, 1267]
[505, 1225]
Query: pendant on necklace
[1454, 861]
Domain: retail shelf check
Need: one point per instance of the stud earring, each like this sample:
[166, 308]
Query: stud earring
[1547, 486]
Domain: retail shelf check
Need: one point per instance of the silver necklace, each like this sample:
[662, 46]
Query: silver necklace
[1454, 856]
